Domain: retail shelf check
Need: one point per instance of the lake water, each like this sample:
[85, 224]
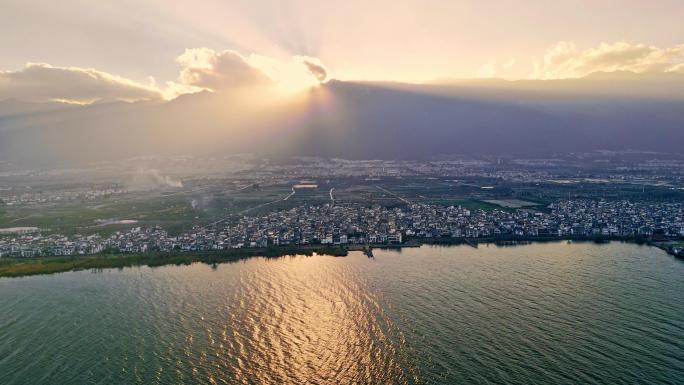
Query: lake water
[552, 313]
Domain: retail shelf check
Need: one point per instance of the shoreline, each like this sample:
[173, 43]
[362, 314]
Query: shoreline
[20, 267]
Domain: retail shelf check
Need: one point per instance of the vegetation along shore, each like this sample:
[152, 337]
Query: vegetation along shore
[17, 267]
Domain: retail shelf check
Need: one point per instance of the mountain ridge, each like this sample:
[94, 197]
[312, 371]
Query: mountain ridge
[360, 120]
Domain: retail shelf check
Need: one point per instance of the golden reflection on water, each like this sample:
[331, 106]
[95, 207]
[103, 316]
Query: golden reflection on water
[542, 314]
[303, 321]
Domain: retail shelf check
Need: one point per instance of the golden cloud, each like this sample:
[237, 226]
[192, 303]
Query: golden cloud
[39, 82]
[565, 60]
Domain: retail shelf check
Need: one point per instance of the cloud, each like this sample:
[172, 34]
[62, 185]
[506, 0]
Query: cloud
[171, 90]
[565, 60]
[201, 69]
[39, 82]
[221, 70]
[678, 68]
[315, 67]
[487, 70]
[510, 63]
[206, 68]
[494, 69]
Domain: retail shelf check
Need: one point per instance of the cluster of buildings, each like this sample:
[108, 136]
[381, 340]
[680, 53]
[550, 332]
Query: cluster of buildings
[358, 224]
[11, 197]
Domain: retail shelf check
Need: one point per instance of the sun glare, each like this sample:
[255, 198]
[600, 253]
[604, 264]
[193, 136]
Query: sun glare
[290, 76]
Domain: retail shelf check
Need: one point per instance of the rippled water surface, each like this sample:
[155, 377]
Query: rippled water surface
[538, 314]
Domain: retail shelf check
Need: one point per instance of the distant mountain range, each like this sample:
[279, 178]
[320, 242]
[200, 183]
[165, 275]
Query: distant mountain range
[614, 111]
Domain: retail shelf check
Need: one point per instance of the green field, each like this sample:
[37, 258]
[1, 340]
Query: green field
[72, 218]
[206, 201]
[179, 211]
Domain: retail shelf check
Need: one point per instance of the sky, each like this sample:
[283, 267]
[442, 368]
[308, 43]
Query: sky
[125, 49]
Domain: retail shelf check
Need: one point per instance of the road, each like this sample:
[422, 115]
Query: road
[291, 194]
[252, 208]
[386, 191]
